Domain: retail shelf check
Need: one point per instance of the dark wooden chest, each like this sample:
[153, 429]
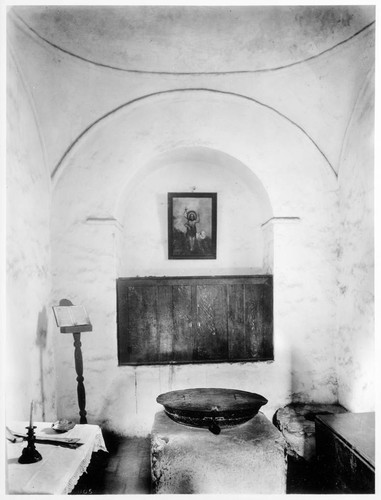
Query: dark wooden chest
[345, 446]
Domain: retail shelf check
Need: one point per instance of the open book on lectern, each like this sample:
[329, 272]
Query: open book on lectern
[72, 319]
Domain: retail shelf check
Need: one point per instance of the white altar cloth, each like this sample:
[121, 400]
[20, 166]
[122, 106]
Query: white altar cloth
[60, 468]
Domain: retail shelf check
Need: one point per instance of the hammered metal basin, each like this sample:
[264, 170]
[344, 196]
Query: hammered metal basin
[211, 408]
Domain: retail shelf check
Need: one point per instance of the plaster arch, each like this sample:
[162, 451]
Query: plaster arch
[175, 92]
[86, 234]
[112, 149]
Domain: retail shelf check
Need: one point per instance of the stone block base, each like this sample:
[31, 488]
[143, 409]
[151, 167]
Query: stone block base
[296, 421]
[249, 458]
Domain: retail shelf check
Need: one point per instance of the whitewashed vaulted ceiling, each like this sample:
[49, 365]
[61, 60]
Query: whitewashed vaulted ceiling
[79, 64]
[196, 39]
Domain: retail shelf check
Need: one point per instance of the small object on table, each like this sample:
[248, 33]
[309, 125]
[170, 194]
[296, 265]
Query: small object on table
[11, 437]
[29, 454]
[63, 425]
[45, 439]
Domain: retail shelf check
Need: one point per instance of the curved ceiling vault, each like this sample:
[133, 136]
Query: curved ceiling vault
[185, 39]
[175, 39]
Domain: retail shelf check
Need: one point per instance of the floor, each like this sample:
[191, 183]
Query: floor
[126, 470]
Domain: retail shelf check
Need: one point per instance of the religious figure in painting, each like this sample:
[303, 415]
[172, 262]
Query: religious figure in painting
[192, 219]
[190, 226]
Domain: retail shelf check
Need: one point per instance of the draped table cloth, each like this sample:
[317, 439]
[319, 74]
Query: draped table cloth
[60, 468]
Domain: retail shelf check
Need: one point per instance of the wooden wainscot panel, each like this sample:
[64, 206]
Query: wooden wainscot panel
[195, 319]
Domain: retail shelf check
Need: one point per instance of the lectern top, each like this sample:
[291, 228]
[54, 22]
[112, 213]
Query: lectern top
[72, 319]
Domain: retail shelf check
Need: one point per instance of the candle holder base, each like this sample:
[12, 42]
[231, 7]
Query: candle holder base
[29, 454]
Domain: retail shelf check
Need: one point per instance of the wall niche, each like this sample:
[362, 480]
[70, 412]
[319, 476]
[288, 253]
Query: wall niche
[242, 207]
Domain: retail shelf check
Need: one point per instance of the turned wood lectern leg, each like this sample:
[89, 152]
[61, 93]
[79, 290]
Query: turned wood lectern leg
[79, 369]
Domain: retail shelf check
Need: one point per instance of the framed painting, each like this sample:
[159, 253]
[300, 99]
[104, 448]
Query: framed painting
[192, 225]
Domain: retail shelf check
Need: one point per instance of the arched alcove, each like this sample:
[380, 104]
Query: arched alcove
[231, 138]
[242, 207]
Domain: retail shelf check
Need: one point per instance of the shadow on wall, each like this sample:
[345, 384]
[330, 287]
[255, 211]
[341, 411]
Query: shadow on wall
[311, 380]
[41, 337]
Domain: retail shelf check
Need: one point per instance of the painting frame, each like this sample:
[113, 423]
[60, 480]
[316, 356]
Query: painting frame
[192, 225]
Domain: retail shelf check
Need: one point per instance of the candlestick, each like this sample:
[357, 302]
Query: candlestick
[29, 454]
[31, 415]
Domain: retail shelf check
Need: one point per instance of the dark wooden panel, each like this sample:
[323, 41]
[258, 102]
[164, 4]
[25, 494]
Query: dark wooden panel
[194, 319]
[122, 321]
[253, 320]
[182, 323]
[143, 344]
[262, 296]
[211, 338]
[258, 321]
[236, 322]
[197, 280]
[164, 320]
[268, 315]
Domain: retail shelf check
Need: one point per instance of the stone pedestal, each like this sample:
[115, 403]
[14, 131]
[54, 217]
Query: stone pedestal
[249, 458]
[296, 421]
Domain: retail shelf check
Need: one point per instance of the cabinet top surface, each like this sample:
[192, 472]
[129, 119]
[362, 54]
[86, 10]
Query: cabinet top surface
[189, 278]
[356, 429]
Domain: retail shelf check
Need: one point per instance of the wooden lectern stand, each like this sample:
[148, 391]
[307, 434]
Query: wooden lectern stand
[74, 319]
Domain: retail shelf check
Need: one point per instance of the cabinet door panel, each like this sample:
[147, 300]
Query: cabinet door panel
[164, 316]
[267, 321]
[143, 341]
[122, 317]
[211, 337]
[253, 323]
[236, 322]
[182, 323]
[258, 320]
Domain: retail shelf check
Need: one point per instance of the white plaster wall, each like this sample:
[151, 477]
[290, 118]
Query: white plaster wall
[305, 298]
[29, 360]
[104, 174]
[355, 342]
